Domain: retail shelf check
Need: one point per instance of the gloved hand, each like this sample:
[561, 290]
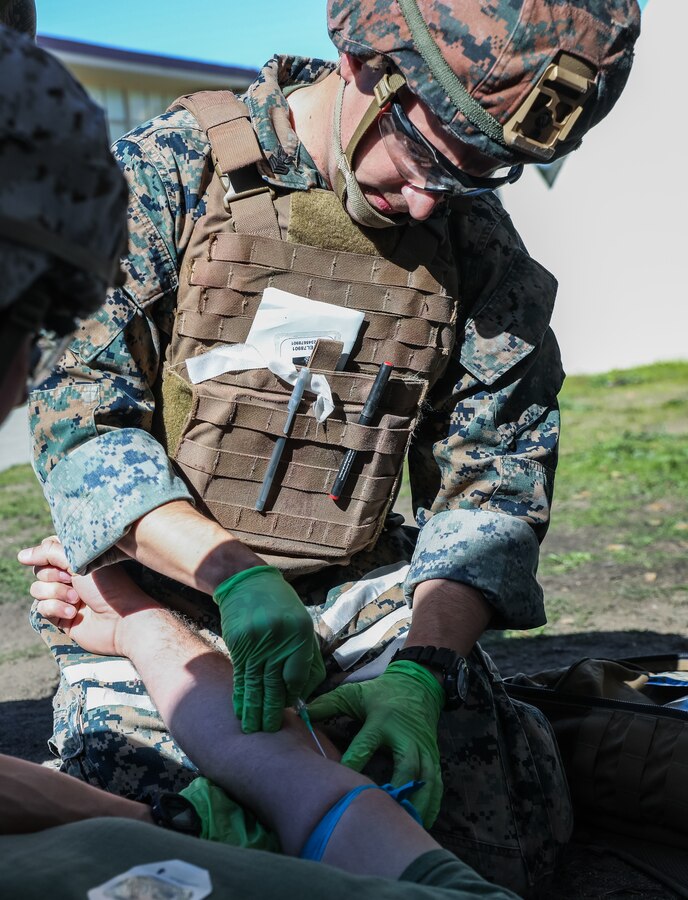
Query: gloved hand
[225, 821]
[274, 649]
[400, 709]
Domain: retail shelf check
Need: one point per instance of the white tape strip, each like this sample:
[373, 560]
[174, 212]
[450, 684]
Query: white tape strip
[109, 671]
[221, 359]
[378, 665]
[241, 357]
[362, 593]
[352, 650]
[97, 698]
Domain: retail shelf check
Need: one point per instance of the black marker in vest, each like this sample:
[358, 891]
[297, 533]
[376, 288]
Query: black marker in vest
[367, 413]
[277, 450]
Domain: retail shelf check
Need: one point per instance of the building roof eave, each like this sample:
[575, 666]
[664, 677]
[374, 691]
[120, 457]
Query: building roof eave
[100, 56]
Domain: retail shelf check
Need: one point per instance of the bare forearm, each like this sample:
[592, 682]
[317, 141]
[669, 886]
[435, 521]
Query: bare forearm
[280, 776]
[33, 798]
[272, 774]
[448, 614]
[180, 542]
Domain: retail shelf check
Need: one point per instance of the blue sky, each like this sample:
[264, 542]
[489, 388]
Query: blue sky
[238, 32]
[234, 32]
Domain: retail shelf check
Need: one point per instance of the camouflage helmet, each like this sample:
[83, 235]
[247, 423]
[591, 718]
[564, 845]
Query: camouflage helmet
[519, 80]
[63, 199]
[20, 15]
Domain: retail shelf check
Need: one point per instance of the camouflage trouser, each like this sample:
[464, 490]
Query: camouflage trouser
[506, 807]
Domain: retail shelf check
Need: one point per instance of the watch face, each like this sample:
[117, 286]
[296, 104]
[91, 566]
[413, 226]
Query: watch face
[462, 680]
[456, 684]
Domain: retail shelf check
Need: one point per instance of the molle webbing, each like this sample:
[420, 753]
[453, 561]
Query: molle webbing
[409, 319]
[243, 282]
[213, 326]
[234, 419]
[307, 260]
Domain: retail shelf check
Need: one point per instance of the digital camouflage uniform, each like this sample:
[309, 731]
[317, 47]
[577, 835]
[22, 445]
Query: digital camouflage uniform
[481, 466]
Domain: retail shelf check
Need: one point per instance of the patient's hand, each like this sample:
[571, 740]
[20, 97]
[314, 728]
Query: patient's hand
[53, 588]
[90, 609]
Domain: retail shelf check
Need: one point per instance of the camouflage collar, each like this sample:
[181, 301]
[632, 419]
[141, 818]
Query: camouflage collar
[288, 164]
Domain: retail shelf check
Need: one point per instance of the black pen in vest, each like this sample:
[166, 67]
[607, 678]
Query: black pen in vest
[292, 406]
[367, 413]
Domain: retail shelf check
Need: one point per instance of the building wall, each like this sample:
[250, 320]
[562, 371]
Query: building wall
[132, 97]
[134, 87]
[127, 108]
[613, 227]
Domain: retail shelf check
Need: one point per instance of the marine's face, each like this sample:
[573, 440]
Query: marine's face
[378, 176]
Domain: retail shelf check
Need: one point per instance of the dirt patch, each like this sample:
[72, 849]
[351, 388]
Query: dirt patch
[28, 678]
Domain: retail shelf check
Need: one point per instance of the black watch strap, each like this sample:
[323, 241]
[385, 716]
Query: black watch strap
[175, 812]
[452, 667]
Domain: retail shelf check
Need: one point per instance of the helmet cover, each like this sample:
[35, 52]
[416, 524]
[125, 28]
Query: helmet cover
[62, 196]
[498, 50]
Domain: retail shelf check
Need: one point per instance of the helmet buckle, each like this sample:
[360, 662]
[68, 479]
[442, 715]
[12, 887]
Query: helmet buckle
[387, 88]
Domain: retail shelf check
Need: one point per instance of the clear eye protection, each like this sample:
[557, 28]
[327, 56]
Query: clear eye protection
[425, 167]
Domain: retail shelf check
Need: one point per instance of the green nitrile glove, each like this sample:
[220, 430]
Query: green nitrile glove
[400, 709]
[225, 821]
[274, 650]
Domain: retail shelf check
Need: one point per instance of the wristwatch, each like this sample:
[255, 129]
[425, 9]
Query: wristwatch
[173, 811]
[453, 668]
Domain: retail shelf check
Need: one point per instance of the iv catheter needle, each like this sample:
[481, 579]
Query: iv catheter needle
[302, 712]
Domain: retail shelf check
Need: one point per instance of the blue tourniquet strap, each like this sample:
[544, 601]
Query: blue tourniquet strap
[314, 848]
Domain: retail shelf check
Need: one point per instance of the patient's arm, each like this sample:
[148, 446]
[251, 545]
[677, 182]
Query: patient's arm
[281, 776]
[33, 797]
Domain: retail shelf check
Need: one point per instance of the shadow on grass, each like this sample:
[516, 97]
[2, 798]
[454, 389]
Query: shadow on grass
[26, 727]
[535, 654]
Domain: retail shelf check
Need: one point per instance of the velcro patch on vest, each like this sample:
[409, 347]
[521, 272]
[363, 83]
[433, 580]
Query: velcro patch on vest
[318, 219]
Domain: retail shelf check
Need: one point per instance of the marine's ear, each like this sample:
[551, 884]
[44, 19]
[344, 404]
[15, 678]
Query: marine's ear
[364, 73]
[350, 67]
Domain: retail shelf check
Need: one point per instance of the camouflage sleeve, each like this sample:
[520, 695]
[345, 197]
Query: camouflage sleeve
[482, 463]
[91, 421]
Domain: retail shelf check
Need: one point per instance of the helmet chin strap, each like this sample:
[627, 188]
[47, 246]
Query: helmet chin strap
[346, 187]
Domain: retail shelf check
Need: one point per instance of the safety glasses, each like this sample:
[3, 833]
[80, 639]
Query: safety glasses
[425, 167]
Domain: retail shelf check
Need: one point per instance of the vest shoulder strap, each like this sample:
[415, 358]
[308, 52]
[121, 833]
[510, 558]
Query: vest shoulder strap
[236, 151]
[226, 121]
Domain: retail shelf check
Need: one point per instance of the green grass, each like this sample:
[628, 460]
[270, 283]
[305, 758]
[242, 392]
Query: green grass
[562, 563]
[624, 457]
[24, 521]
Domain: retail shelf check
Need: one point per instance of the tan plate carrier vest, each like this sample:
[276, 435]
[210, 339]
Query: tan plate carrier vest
[220, 433]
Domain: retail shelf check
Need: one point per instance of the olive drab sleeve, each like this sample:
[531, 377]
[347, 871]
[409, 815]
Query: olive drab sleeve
[91, 420]
[482, 462]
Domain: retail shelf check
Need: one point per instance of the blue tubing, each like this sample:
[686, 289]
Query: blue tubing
[314, 848]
